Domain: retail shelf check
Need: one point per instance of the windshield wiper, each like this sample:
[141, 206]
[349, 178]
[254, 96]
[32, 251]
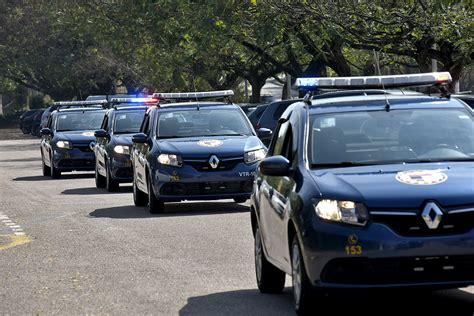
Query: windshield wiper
[171, 136]
[229, 134]
[343, 164]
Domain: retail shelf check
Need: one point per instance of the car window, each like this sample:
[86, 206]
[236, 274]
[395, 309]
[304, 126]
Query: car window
[279, 110]
[127, 122]
[105, 123]
[396, 136]
[145, 127]
[202, 122]
[76, 121]
[279, 141]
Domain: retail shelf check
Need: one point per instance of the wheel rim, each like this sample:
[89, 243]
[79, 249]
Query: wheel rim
[258, 256]
[296, 273]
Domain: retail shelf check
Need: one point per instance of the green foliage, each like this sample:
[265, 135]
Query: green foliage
[72, 48]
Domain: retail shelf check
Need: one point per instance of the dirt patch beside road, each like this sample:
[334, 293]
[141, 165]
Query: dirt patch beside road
[14, 133]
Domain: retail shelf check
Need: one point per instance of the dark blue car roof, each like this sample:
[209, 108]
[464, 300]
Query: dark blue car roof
[363, 103]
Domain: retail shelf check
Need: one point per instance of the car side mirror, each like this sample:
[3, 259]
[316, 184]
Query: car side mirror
[264, 132]
[275, 166]
[140, 138]
[100, 133]
[45, 131]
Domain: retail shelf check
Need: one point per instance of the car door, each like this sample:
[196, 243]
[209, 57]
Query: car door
[101, 145]
[274, 199]
[46, 142]
[140, 152]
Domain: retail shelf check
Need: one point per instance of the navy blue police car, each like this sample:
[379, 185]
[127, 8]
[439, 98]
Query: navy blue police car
[198, 150]
[367, 192]
[68, 140]
[114, 141]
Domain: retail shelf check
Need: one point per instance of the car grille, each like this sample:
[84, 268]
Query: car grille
[414, 225]
[77, 163]
[224, 164]
[82, 147]
[206, 188]
[394, 271]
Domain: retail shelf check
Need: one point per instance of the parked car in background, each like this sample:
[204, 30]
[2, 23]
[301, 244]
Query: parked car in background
[270, 116]
[255, 115]
[26, 120]
[467, 98]
[36, 122]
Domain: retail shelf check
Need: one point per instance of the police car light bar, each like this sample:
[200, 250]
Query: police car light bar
[134, 100]
[392, 81]
[194, 95]
[83, 103]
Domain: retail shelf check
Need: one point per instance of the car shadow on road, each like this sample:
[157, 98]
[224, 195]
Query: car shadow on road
[63, 177]
[367, 303]
[94, 190]
[172, 210]
[240, 302]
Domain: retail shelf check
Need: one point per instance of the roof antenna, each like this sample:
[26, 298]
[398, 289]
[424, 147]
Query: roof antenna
[377, 64]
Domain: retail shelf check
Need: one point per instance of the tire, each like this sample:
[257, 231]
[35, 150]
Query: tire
[240, 200]
[55, 173]
[46, 169]
[111, 185]
[139, 197]
[26, 129]
[302, 290]
[270, 279]
[100, 180]
[155, 206]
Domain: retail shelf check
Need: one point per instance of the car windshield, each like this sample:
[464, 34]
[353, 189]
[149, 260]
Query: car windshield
[202, 122]
[79, 121]
[128, 122]
[377, 137]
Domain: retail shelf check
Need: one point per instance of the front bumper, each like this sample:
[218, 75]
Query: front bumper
[341, 256]
[187, 183]
[74, 159]
[121, 169]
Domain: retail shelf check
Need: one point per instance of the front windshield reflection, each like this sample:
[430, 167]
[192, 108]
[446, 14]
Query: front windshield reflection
[391, 137]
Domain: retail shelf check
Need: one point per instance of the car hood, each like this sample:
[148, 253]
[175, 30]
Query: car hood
[124, 139]
[199, 147]
[76, 136]
[402, 186]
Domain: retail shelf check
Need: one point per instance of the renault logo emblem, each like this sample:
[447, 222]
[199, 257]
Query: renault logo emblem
[213, 161]
[432, 215]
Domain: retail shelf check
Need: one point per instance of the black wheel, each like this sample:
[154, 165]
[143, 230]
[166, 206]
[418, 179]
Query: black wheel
[139, 197]
[55, 173]
[26, 129]
[99, 179]
[111, 184]
[240, 200]
[270, 279]
[302, 290]
[155, 206]
[46, 169]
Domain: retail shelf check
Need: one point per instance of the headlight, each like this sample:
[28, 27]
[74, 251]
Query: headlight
[342, 211]
[64, 144]
[170, 160]
[255, 155]
[120, 149]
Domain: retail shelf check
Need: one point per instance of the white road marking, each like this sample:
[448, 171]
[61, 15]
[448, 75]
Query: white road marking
[14, 227]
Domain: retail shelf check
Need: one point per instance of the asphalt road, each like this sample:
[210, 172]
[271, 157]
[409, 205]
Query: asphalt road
[67, 247]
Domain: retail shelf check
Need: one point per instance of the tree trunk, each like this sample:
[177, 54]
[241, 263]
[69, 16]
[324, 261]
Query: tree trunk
[257, 84]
